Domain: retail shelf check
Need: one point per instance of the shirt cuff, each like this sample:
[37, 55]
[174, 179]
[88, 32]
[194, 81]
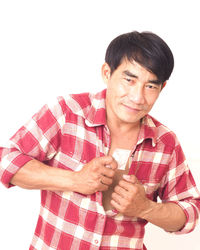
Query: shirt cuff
[191, 213]
[10, 168]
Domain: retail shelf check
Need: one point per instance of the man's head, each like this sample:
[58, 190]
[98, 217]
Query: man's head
[136, 69]
[145, 48]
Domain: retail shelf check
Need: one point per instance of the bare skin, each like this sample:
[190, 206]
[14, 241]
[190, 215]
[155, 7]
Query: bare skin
[119, 139]
[93, 177]
[127, 195]
[131, 93]
[129, 198]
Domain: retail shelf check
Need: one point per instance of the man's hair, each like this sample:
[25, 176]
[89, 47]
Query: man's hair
[146, 48]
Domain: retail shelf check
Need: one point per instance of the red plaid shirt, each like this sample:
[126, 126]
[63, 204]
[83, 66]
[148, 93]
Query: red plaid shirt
[68, 135]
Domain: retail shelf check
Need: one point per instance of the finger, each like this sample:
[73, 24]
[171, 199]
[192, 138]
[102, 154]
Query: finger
[108, 161]
[114, 164]
[102, 186]
[128, 186]
[105, 160]
[108, 172]
[115, 205]
[131, 178]
[117, 202]
[106, 180]
[120, 191]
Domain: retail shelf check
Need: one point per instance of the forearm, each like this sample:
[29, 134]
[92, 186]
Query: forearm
[168, 216]
[93, 177]
[37, 175]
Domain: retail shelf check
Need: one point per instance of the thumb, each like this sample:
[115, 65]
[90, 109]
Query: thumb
[108, 161]
[131, 178]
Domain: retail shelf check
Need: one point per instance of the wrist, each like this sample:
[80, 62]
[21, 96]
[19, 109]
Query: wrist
[69, 181]
[150, 206]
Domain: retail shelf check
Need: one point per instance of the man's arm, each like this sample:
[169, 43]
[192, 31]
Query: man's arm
[130, 199]
[38, 141]
[93, 177]
[37, 175]
[168, 216]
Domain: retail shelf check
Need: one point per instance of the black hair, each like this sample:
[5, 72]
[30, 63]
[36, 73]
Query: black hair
[146, 48]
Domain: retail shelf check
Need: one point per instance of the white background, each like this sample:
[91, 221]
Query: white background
[50, 48]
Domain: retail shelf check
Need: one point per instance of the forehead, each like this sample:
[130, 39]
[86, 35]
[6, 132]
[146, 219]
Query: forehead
[136, 69]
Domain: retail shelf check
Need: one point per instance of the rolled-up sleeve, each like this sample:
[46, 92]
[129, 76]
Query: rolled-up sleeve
[38, 139]
[191, 211]
[11, 161]
[179, 187]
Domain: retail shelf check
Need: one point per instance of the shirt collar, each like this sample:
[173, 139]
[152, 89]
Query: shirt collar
[96, 116]
[148, 130]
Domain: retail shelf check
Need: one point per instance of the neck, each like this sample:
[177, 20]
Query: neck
[123, 136]
[123, 127]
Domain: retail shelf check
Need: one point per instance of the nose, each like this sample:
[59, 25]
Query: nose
[136, 95]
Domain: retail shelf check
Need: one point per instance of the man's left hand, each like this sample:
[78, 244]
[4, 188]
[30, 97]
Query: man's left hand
[129, 197]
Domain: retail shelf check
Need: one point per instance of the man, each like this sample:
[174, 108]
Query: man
[101, 161]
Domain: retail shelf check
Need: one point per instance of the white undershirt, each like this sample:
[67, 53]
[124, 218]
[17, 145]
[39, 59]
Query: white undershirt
[121, 156]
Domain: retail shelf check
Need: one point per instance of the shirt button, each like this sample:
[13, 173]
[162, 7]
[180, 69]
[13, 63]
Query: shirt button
[96, 241]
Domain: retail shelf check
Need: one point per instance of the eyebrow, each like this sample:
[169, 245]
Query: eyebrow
[128, 73]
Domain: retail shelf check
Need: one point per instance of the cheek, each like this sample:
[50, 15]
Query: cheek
[151, 99]
[116, 90]
[121, 91]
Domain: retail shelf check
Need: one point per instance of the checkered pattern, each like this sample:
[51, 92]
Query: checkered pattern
[69, 134]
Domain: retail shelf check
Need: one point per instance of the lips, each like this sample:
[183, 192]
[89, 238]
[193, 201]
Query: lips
[134, 109]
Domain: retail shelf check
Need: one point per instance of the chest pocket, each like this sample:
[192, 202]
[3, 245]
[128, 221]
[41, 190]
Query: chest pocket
[78, 146]
[149, 172]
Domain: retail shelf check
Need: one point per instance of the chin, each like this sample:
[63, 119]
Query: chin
[130, 120]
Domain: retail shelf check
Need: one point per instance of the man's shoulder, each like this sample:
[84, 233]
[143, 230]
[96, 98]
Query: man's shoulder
[164, 134]
[82, 100]
[82, 103]
[75, 102]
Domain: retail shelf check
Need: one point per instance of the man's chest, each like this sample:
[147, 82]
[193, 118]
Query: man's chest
[79, 145]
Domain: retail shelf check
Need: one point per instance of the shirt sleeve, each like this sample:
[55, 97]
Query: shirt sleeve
[179, 187]
[38, 139]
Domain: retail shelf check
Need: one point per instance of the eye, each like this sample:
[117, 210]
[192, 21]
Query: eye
[152, 86]
[128, 79]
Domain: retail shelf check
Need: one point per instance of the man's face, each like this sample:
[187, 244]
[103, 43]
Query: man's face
[131, 92]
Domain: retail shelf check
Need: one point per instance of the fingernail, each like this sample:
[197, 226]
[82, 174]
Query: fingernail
[126, 177]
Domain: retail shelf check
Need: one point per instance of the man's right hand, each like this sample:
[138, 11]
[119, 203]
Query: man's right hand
[96, 175]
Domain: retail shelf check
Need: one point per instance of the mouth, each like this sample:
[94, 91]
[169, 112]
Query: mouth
[131, 109]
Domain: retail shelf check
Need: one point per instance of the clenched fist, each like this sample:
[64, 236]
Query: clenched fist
[129, 197]
[96, 175]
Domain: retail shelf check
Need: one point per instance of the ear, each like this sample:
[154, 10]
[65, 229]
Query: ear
[163, 85]
[105, 72]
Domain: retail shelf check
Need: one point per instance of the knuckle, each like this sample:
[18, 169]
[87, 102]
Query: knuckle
[123, 209]
[111, 181]
[111, 173]
[129, 199]
[125, 205]
[121, 182]
[104, 188]
[113, 195]
[115, 189]
[108, 181]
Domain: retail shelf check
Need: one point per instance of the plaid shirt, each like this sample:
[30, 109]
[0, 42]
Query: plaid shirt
[69, 134]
